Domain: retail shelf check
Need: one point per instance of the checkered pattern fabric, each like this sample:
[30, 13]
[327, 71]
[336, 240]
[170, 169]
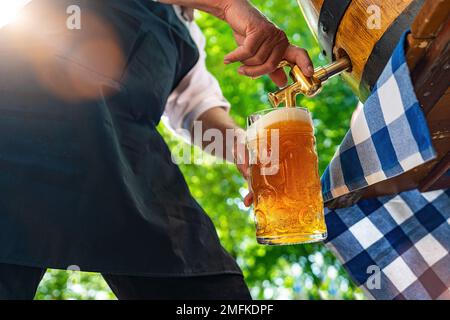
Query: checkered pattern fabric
[389, 136]
[396, 247]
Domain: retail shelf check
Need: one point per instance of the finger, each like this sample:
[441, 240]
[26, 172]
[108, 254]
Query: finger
[274, 41]
[248, 49]
[268, 67]
[241, 53]
[248, 200]
[279, 77]
[244, 170]
[261, 56]
[300, 57]
[242, 163]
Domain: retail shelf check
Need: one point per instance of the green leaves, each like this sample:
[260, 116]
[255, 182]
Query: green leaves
[271, 272]
[291, 272]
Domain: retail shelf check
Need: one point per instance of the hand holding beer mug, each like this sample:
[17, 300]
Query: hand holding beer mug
[284, 177]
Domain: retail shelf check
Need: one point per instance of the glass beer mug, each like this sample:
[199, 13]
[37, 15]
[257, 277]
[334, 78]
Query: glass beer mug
[284, 177]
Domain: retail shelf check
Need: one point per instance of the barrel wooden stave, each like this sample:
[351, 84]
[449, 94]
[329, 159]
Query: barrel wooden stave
[428, 55]
[353, 35]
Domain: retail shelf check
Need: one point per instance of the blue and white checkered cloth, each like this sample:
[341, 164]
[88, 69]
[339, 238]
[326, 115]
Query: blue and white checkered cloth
[395, 247]
[389, 136]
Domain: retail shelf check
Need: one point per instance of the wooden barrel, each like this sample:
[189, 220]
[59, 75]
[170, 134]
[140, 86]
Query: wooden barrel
[366, 30]
[341, 26]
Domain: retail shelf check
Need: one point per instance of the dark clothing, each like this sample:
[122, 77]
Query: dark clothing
[21, 283]
[85, 177]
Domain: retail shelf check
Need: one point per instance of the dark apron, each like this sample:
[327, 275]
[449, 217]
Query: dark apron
[85, 178]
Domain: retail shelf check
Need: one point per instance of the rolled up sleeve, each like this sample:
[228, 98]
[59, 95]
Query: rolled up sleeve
[198, 92]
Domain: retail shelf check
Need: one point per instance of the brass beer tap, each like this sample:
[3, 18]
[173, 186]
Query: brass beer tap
[308, 86]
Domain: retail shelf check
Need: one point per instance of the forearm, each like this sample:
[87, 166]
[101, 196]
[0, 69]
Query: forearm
[218, 118]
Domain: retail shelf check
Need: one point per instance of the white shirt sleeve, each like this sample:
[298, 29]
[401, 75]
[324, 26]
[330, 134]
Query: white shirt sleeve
[198, 91]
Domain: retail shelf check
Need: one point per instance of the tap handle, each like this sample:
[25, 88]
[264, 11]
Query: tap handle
[308, 86]
[301, 84]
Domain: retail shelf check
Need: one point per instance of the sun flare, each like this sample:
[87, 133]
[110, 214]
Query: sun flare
[9, 10]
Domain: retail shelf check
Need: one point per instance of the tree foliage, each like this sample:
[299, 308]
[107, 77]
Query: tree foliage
[290, 272]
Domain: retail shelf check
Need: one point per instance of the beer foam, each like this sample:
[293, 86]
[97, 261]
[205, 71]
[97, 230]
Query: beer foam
[276, 116]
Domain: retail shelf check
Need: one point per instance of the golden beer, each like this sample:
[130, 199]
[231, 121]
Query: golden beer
[284, 177]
